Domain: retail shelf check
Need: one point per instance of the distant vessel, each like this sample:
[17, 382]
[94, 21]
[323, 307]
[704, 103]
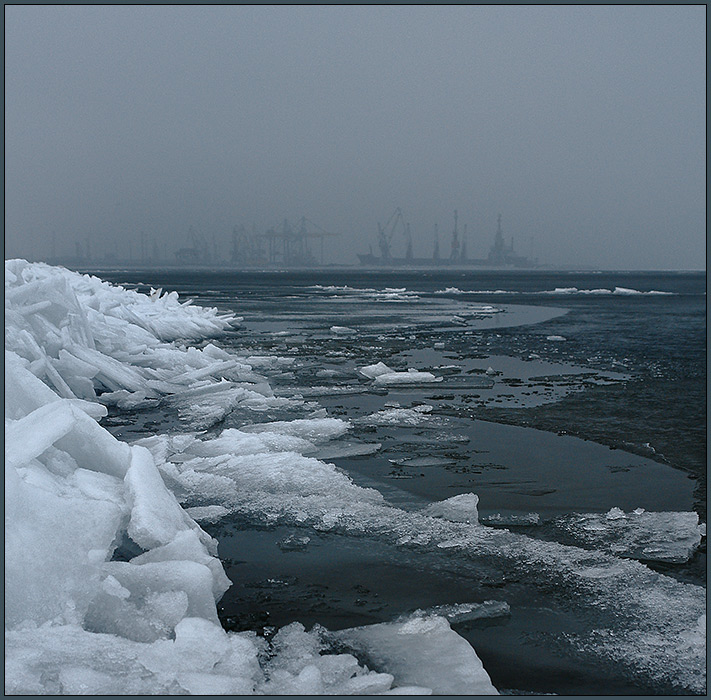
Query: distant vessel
[500, 254]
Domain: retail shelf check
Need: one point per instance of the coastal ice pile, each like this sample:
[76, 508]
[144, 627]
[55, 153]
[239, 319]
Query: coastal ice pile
[667, 537]
[97, 342]
[110, 585]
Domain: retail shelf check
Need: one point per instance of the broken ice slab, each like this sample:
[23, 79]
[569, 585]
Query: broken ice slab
[294, 543]
[314, 429]
[457, 509]
[423, 462]
[342, 330]
[424, 652]
[342, 450]
[418, 416]
[462, 613]
[412, 376]
[311, 392]
[207, 514]
[647, 536]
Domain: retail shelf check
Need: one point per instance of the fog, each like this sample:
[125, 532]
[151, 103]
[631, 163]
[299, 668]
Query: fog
[583, 126]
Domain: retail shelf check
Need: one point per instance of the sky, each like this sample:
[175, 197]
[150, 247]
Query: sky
[583, 126]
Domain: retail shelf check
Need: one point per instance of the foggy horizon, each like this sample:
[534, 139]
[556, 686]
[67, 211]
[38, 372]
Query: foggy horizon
[582, 126]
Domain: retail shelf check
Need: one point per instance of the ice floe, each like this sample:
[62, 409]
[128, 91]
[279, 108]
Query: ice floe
[665, 536]
[382, 375]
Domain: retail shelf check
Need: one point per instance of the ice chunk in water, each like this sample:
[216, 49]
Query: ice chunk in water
[343, 330]
[373, 371]
[412, 376]
[314, 430]
[462, 613]
[341, 450]
[649, 536]
[406, 417]
[457, 509]
[511, 519]
[425, 652]
[420, 462]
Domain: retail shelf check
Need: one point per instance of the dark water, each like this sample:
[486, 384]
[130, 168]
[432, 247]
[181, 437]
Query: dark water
[613, 415]
[659, 341]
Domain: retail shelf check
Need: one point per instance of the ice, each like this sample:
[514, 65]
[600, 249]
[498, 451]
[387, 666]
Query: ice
[57, 534]
[30, 436]
[406, 417]
[558, 338]
[664, 536]
[424, 652]
[420, 462]
[342, 450]
[467, 613]
[201, 659]
[156, 517]
[315, 430]
[187, 546]
[384, 376]
[207, 514]
[343, 330]
[511, 519]
[93, 339]
[161, 594]
[457, 509]
[412, 376]
[373, 371]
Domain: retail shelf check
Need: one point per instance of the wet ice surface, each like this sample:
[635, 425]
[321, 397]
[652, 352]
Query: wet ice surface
[441, 513]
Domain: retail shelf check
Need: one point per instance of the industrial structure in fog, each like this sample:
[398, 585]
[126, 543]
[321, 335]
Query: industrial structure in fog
[500, 254]
[288, 245]
[283, 245]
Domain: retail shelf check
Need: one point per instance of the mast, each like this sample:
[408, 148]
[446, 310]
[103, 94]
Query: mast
[454, 255]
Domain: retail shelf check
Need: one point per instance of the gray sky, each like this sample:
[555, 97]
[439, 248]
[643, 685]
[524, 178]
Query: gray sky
[583, 126]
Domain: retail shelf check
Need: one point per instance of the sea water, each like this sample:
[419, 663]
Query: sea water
[552, 396]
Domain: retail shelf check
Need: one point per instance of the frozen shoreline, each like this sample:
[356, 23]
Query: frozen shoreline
[265, 475]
